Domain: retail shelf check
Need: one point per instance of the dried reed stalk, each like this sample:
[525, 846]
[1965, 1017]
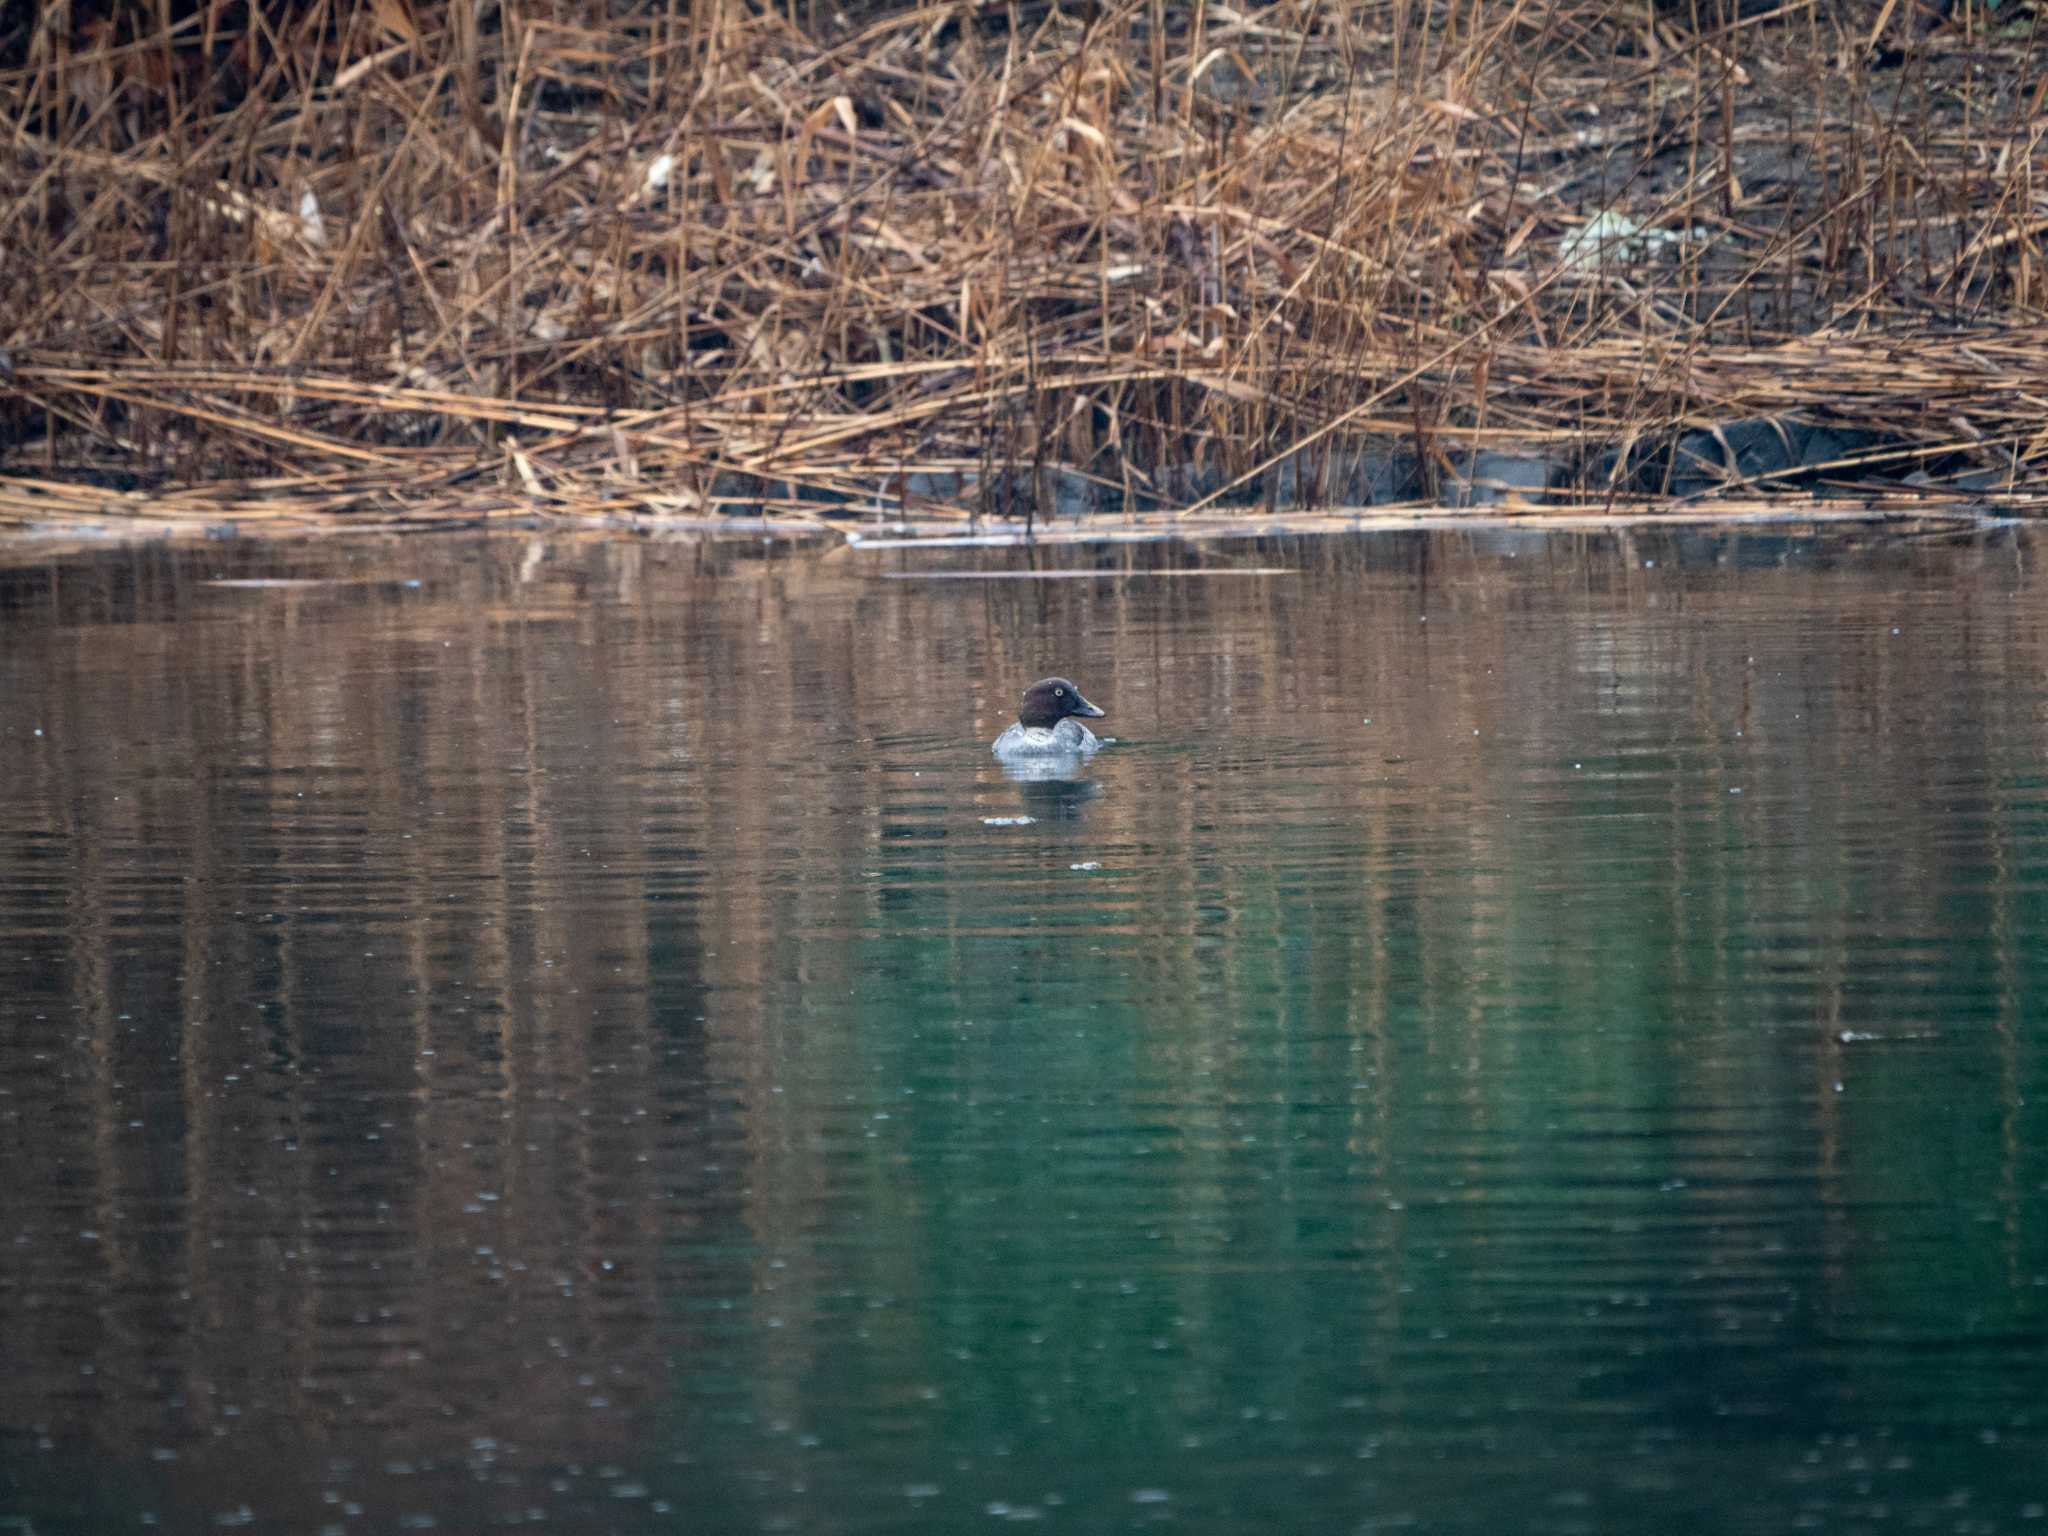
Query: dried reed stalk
[391, 262]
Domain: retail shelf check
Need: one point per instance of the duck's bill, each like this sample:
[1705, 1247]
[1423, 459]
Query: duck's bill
[1088, 711]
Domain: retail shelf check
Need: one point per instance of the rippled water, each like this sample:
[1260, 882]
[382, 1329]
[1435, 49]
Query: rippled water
[1517, 1034]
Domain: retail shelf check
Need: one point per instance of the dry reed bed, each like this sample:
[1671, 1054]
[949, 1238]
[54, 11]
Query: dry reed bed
[393, 262]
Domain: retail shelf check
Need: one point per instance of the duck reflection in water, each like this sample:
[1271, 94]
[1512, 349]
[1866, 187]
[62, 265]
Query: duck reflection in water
[1053, 790]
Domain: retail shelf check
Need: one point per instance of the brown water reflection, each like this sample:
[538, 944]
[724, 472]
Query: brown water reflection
[470, 1024]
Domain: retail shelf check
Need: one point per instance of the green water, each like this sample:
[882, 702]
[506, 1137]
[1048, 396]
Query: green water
[1515, 1034]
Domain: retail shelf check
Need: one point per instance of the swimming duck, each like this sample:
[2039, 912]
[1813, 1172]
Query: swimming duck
[1046, 724]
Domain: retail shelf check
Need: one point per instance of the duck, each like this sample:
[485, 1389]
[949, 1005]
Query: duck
[1049, 723]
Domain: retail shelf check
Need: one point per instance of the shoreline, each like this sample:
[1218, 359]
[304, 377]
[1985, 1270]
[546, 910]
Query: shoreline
[1817, 519]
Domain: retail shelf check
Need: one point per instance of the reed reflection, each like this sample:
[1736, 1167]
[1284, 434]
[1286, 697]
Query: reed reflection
[599, 1003]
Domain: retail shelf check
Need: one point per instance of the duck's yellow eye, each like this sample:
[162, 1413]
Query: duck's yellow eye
[1059, 693]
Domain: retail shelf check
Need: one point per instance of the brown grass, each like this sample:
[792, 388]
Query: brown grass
[376, 260]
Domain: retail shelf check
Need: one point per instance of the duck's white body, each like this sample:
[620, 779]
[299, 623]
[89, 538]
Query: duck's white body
[1069, 738]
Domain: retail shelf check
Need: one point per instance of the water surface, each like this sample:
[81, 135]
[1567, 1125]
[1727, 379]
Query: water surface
[1517, 1034]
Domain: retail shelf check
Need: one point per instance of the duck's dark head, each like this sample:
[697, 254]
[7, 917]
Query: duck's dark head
[1049, 702]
